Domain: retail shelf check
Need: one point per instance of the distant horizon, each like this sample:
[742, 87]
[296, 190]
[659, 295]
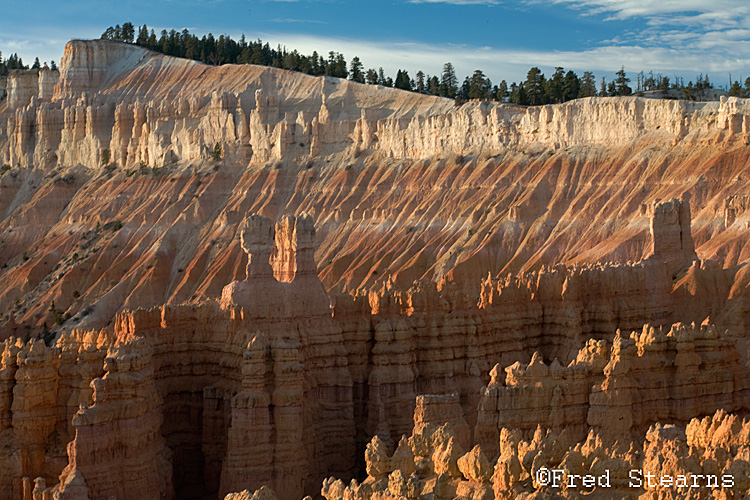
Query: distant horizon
[674, 39]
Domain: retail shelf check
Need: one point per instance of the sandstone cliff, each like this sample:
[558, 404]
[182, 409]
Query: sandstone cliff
[272, 386]
[402, 186]
[357, 265]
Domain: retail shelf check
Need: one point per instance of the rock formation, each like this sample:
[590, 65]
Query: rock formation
[118, 450]
[671, 236]
[357, 266]
[143, 125]
[708, 457]
[651, 376]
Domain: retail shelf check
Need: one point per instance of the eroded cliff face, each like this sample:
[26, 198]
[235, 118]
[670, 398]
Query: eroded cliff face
[247, 277]
[271, 386]
[111, 199]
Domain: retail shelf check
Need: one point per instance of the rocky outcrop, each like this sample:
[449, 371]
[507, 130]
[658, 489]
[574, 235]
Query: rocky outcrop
[118, 450]
[266, 365]
[112, 84]
[527, 396]
[124, 120]
[671, 236]
[273, 365]
[42, 388]
[706, 457]
[651, 376]
[22, 87]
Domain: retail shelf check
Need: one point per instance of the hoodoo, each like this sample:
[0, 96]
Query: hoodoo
[244, 282]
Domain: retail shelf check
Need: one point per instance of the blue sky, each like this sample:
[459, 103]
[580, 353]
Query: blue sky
[503, 38]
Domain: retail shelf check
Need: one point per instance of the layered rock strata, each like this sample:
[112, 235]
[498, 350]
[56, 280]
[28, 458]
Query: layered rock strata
[271, 386]
[115, 212]
[42, 389]
[255, 387]
[118, 450]
[651, 376]
[124, 141]
[334, 112]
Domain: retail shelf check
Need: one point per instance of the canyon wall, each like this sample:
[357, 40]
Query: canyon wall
[272, 386]
[214, 279]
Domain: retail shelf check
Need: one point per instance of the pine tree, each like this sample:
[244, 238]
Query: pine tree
[535, 86]
[463, 92]
[663, 84]
[434, 86]
[419, 83]
[355, 71]
[340, 66]
[502, 91]
[554, 87]
[37, 64]
[518, 94]
[588, 85]
[571, 86]
[736, 90]
[128, 32]
[621, 83]
[142, 36]
[649, 83]
[381, 76]
[448, 82]
[479, 86]
[403, 81]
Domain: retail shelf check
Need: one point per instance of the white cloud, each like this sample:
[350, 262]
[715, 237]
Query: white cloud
[623, 9]
[710, 35]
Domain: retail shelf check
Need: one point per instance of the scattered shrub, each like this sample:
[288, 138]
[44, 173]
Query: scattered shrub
[216, 154]
[57, 314]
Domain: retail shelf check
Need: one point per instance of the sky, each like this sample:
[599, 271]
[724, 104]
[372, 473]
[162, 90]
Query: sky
[502, 38]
